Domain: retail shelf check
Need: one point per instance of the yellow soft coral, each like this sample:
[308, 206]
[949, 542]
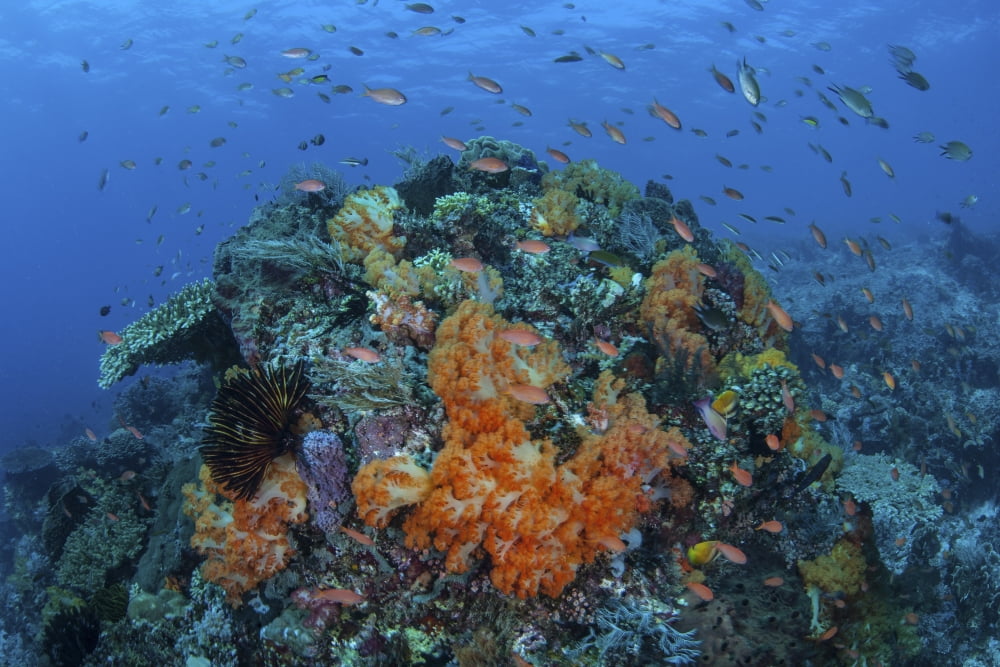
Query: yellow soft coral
[246, 541]
[554, 213]
[494, 489]
[365, 223]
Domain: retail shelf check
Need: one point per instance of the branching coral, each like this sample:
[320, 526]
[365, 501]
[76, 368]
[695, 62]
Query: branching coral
[493, 488]
[246, 541]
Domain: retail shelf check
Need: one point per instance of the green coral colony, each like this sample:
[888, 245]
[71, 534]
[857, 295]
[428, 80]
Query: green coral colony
[363, 288]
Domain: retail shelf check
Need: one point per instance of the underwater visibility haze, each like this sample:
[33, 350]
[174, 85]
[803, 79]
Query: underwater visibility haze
[468, 333]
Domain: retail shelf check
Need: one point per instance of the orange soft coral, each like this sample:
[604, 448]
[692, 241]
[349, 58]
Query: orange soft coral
[246, 541]
[496, 491]
[672, 291]
[365, 223]
[382, 487]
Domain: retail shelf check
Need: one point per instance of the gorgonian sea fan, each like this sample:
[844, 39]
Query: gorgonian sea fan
[249, 425]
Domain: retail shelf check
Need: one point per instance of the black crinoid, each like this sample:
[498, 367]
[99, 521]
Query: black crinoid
[249, 425]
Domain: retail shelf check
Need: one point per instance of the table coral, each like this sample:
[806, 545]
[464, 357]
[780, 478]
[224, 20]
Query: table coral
[246, 541]
[494, 489]
[186, 326]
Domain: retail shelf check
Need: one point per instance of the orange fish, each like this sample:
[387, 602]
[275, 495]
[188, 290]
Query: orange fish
[915, 365]
[731, 553]
[134, 431]
[842, 323]
[487, 84]
[109, 337]
[780, 316]
[520, 337]
[742, 477]
[818, 360]
[870, 260]
[818, 234]
[786, 398]
[606, 347]
[356, 535]
[774, 582]
[894, 473]
[701, 590]
[723, 80]
[665, 114]
[868, 294]
[388, 96]
[143, 502]
[126, 476]
[467, 264]
[907, 309]
[533, 246]
[853, 245]
[557, 155]
[528, 393]
[310, 185]
[732, 193]
[838, 371]
[818, 415]
[707, 270]
[682, 229]
[581, 129]
[911, 618]
[855, 391]
[857, 445]
[452, 142]
[365, 354]
[890, 381]
[850, 508]
[829, 634]
[111, 517]
[341, 595]
[772, 526]
[90, 435]
[875, 322]
[491, 165]
[616, 135]
[773, 442]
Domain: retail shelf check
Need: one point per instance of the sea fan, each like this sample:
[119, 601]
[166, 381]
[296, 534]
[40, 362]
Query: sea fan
[249, 425]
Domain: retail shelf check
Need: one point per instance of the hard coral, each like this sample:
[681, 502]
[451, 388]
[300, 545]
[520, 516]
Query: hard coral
[186, 326]
[365, 223]
[246, 541]
[494, 489]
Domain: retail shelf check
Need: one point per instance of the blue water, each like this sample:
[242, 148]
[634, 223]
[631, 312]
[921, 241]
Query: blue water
[69, 249]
